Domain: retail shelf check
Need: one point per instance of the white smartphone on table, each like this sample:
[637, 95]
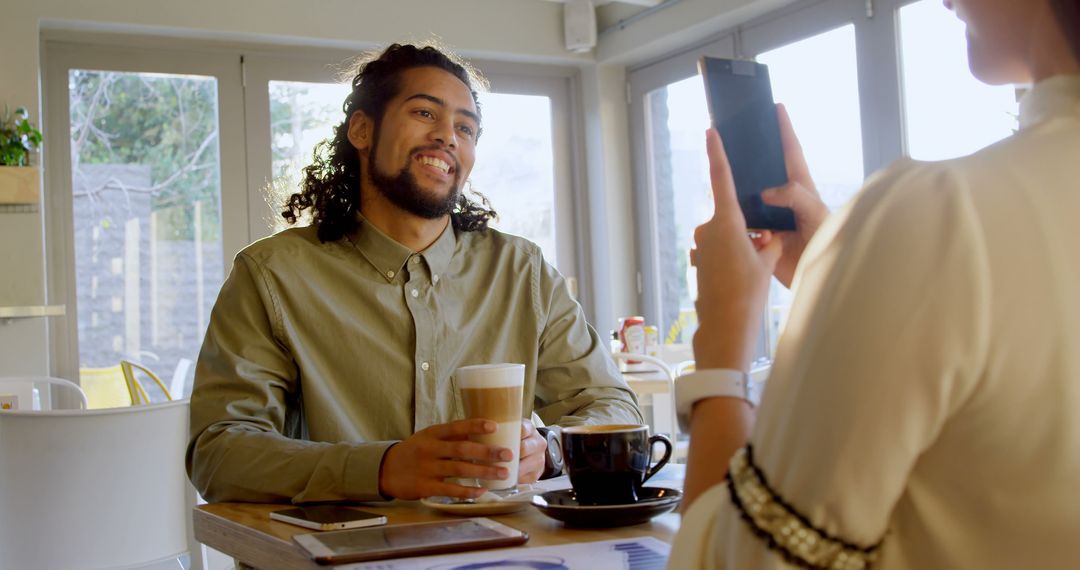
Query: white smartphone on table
[413, 539]
[328, 517]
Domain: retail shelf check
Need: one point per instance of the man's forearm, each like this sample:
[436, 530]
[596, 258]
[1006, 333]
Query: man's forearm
[620, 407]
[595, 406]
[253, 466]
[718, 428]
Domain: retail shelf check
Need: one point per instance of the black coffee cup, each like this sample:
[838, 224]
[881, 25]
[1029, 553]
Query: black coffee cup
[608, 464]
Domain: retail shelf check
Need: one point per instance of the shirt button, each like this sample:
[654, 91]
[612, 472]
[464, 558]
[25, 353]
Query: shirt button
[390, 274]
[415, 293]
[435, 278]
[424, 366]
[415, 259]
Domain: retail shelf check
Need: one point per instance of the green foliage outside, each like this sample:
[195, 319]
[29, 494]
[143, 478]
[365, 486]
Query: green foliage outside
[294, 112]
[18, 137]
[166, 122]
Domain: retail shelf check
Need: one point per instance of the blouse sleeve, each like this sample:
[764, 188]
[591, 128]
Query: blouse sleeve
[886, 340]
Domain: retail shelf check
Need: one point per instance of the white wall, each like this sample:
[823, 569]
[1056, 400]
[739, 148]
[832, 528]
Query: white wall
[511, 30]
[607, 164]
[682, 24]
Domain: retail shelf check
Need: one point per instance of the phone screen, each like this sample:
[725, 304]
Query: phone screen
[742, 110]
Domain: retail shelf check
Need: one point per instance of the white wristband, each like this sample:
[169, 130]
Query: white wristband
[709, 383]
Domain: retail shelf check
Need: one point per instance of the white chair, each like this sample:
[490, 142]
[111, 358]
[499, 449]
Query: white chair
[23, 387]
[664, 414]
[179, 378]
[95, 488]
[664, 418]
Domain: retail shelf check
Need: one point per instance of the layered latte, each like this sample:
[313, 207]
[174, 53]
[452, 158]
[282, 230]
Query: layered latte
[494, 392]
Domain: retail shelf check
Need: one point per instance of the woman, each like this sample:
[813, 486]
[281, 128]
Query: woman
[924, 407]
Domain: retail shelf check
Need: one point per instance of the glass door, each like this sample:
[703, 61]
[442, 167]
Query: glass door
[141, 202]
[823, 103]
[947, 112]
[522, 159]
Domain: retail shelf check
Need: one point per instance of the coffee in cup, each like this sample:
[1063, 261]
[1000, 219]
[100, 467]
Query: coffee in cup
[494, 392]
[608, 464]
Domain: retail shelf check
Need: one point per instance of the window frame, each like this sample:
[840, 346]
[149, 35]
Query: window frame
[63, 56]
[879, 84]
[243, 72]
[553, 82]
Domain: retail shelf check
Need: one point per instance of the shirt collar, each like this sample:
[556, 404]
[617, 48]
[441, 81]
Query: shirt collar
[388, 256]
[438, 254]
[1050, 97]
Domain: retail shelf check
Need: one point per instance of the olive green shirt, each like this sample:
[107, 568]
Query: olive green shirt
[320, 356]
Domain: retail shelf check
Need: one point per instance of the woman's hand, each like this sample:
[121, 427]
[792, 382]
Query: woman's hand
[733, 273]
[800, 195]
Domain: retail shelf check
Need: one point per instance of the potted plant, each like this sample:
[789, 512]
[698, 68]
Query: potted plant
[18, 139]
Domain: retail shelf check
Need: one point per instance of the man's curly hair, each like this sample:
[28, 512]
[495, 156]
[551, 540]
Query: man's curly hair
[331, 184]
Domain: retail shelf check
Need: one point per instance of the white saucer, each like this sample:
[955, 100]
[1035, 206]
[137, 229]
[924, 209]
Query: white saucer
[487, 504]
[450, 505]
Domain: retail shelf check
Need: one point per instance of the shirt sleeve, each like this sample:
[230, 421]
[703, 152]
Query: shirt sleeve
[246, 426]
[577, 381]
[887, 339]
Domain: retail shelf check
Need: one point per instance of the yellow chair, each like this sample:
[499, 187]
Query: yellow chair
[139, 397]
[105, 387]
[117, 386]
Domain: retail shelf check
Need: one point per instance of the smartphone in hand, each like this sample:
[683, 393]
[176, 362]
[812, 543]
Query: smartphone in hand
[328, 517]
[740, 100]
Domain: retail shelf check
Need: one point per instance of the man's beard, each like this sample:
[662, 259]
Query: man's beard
[404, 192]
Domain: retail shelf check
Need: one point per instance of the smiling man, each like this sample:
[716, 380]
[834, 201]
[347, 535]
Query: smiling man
[326, 372]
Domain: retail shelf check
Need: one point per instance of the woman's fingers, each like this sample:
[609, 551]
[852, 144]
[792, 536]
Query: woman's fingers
[810, 213]
[769, 250]
[791, 195]
[725, 202]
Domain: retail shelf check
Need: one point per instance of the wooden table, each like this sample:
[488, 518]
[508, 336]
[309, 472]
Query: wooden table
[245, 531]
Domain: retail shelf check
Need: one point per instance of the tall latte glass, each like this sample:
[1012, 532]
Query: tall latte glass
[493, 392]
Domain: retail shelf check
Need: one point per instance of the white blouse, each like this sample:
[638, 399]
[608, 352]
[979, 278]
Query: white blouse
[924, 407]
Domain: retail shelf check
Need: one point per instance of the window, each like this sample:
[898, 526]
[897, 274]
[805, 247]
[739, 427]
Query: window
[823, 102]
[178, 159]
[834, 66]
[677, 117]
[824, 106]
[139, 205]
[146, 196]
[515, 166]
[522, 159]
[302, 115]
[948, 112]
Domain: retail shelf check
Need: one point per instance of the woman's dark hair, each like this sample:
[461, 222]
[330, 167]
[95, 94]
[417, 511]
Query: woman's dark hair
[331, 184]
[1068, 16]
